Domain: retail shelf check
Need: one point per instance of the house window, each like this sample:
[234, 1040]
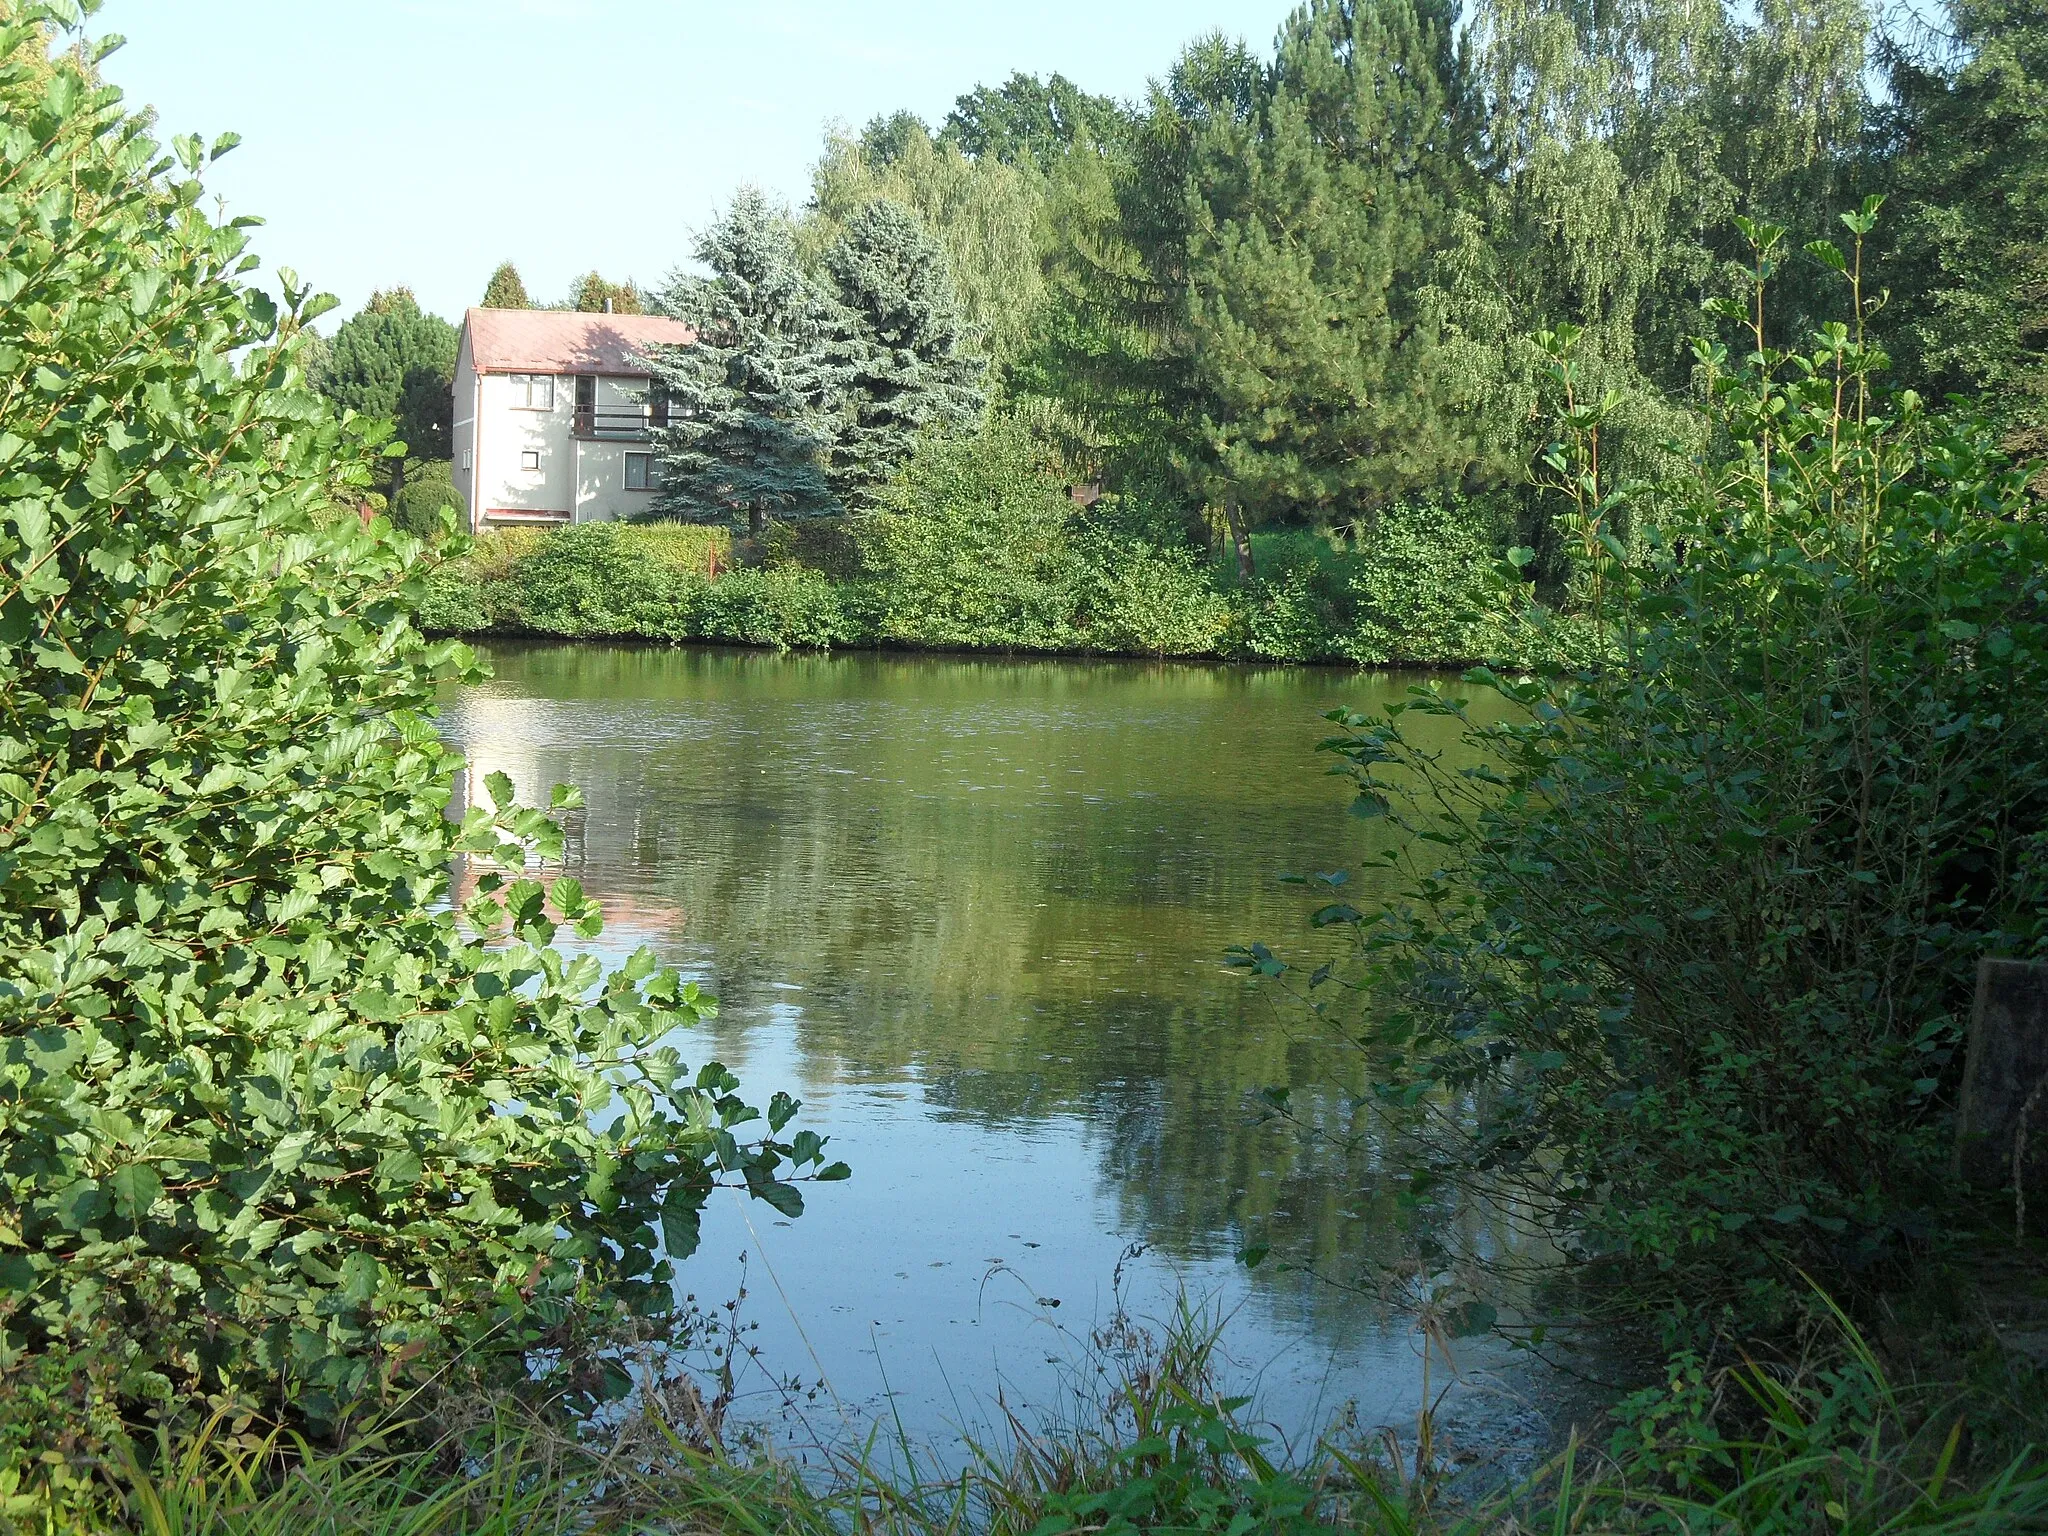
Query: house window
[529, 458]
[657, 405]
[532, 391]
[640, 472]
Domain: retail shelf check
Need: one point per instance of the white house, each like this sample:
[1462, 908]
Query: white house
[552, 413]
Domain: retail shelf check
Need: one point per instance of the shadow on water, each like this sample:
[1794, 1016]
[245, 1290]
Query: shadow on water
[974, 912]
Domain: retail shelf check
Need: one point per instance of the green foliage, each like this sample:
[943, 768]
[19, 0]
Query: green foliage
[506, 289]
[975, 551]
[907, 372]
[428, 494]
[1029, 121]
[394, 361]
[1312, 220]
[1423, 584]
[278, 1126]
[978, 545]
[1145, 597]
[1692, 943]
[985, 212]
[1970, 211]
[591, 294]
[757, 395]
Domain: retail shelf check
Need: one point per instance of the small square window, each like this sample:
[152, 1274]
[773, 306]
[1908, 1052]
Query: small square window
[529, 458]
[639, 471]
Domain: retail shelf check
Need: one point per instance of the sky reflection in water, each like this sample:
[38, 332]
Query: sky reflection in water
[973, 912]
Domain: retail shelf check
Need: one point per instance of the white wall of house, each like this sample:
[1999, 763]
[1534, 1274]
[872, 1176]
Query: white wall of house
[530, 464]
[464, 467]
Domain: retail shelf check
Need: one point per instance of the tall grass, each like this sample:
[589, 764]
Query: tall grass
[1828, 1446]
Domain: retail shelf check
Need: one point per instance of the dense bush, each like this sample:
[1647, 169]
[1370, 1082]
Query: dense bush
[276, 1125]
[977, 545]
[428, 496]
[1684, 956]
[1425, 569]
[973, 548]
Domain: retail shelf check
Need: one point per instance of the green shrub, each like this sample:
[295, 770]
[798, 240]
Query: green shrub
[276, 1125]
[587, 580]
[1143, 599]
[780, 606]
[1422, 588]
[428, 496]
[1687, 938]
[1288, 617]
[974, 547]
[693, 548]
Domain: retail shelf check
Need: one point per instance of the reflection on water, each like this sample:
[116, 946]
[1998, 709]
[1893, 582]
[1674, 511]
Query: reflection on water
[974, 913]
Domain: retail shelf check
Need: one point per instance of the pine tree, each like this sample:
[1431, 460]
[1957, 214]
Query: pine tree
[754, 400]
[506, 290]
[907, 368]
[1312, 225]
[393, 359]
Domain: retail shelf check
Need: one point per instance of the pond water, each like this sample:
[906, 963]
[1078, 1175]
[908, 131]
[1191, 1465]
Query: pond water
[974, 913]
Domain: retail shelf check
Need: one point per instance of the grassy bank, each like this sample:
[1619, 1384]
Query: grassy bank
[1832, 1443]
[981, 549]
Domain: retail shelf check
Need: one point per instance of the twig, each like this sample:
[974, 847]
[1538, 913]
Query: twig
[2019, 1162]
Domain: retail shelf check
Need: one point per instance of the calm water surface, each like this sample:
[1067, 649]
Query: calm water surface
[973, 912]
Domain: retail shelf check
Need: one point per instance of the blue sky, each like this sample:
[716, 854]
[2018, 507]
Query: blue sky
[423, 141]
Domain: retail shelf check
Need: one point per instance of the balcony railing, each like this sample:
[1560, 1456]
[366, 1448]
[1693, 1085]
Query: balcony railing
[624, 421]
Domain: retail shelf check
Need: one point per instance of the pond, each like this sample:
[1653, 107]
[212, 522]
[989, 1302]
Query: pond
[974, 913]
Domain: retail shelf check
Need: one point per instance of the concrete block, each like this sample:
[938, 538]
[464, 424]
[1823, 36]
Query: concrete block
[2007, 1061]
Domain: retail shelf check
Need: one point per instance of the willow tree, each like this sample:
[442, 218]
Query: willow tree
[1618, 144]
[1312, 227]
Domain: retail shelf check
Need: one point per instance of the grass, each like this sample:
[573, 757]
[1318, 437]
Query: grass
[1830, 1444]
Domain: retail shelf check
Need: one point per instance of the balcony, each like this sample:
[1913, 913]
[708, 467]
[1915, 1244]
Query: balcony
[630, 423]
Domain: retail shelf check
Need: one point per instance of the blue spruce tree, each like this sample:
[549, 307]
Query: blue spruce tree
[755, 401]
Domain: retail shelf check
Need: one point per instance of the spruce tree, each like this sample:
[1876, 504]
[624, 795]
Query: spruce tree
[754, 400]
[393, 359]
[907, 368]
[506, 290]
[1312, 223]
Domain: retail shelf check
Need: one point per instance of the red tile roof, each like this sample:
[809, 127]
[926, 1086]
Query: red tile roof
[560, 341]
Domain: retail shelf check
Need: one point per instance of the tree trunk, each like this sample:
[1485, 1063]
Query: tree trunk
[1240, 538]
[757, 520]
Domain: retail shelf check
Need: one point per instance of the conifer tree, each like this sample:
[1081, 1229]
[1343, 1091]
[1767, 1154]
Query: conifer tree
[594, 295]
[754, 400]
[908, 370]
[393, 359]
[506, 290]
[1312, 225]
